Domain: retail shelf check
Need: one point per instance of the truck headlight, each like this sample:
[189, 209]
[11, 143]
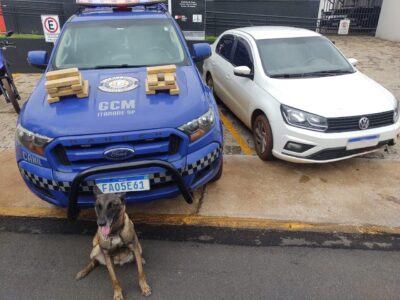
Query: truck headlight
[34, 142]
[303, 119]
[396, 111]
[196, 128]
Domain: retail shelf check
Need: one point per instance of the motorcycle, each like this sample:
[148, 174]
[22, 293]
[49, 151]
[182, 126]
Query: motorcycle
[7, 86]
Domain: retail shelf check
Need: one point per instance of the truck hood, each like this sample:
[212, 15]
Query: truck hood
[105, 112]
[333, 96]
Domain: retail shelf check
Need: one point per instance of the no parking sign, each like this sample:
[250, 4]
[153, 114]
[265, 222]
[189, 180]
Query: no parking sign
[51, 27]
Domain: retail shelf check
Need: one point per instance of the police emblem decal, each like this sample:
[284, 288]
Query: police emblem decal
[118, 84]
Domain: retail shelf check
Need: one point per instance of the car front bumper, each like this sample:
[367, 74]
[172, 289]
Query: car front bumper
[55, 187]
[329, 147]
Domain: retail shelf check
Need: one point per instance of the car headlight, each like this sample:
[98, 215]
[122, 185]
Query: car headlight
[303, 119]
[34, 142]
[196, 128]
[396, 111]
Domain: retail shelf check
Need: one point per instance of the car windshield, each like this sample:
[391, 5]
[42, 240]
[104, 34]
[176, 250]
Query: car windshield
[119, 43]
[301, 57]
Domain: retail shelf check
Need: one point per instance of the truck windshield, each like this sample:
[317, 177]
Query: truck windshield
[118, 43]
[302, 57]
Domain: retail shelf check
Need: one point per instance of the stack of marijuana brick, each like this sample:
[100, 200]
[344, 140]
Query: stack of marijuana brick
[162, 78]
[66, 82]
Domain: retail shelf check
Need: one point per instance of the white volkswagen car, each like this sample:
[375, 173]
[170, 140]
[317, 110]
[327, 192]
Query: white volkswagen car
[304, 101]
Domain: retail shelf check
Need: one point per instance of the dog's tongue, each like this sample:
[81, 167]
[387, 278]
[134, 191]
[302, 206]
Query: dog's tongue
[105, 230]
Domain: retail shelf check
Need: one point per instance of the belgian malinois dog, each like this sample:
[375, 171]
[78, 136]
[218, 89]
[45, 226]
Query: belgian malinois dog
[115, 242]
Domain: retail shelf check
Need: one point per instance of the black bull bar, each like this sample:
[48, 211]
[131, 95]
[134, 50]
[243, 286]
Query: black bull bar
[76, 183]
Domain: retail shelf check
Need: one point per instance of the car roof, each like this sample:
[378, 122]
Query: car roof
[276, 32]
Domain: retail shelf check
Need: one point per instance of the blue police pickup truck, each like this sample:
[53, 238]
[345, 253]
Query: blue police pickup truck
[120, 139]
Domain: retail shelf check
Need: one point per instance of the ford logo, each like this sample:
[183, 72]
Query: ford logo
[122, 153]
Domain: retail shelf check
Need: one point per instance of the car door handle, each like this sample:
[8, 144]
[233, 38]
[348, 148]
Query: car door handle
[228, 77]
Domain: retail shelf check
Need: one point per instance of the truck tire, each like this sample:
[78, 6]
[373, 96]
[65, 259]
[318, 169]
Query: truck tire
[220, 171]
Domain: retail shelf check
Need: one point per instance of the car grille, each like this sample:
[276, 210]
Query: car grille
[328, 154]
[82, 155]
[352, 123]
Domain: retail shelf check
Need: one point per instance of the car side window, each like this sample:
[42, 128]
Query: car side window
[242, 56]
[225, 45]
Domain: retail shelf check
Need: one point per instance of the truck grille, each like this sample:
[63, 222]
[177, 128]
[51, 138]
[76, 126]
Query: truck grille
[81, 155]
[352, 123]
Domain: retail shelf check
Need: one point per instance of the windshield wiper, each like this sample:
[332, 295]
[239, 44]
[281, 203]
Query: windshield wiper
[117, 66]
[313, 74]
[295, 75]
[328, 73]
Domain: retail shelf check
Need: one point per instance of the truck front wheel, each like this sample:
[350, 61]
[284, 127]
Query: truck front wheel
[219, 173]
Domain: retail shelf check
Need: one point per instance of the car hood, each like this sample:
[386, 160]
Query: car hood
[333, 96]
[105, 112]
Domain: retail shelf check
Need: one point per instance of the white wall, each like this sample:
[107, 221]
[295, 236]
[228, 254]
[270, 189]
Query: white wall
[389, 21]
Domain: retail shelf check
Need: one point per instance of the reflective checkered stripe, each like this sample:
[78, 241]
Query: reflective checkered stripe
[155, 178]
[40, 181]
[202, 163]
[87, 186]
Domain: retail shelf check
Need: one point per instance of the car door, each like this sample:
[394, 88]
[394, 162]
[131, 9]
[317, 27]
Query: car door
[222, 67]
[243, 88]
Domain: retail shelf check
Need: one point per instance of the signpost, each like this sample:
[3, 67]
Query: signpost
[344, 27]
[191, 17]
[51, 27]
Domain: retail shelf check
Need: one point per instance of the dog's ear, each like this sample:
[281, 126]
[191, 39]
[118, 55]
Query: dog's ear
[96, 191]
[122, 197]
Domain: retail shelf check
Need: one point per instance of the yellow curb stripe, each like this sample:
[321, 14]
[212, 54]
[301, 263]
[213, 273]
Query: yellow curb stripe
[236, 135]
[211, 221]
[35, 212]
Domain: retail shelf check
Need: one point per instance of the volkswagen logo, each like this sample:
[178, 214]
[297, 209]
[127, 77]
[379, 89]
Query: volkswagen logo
[121, 153]
[363, 123]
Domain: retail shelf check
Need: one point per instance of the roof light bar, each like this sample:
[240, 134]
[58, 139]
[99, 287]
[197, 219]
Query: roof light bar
[117, 2]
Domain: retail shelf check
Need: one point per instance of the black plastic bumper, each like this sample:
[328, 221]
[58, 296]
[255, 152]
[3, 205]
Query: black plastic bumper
[74, 192]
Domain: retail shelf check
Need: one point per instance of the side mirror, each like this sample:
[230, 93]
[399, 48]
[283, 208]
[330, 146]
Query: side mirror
[38, 59]
[9, 33]
[243, 71]
[201, 51]
[353, 61]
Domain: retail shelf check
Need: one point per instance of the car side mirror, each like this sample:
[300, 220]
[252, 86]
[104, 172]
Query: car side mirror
[353, 61]
[243, 71]
[38, 59]
[201, 51]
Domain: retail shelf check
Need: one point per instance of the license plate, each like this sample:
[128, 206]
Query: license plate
[363, 142]
[122, 185]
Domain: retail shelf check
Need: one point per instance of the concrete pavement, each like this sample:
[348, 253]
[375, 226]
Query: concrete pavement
[357, 196]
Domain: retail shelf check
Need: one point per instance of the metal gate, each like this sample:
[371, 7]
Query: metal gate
[363, 15]
[23, 16]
